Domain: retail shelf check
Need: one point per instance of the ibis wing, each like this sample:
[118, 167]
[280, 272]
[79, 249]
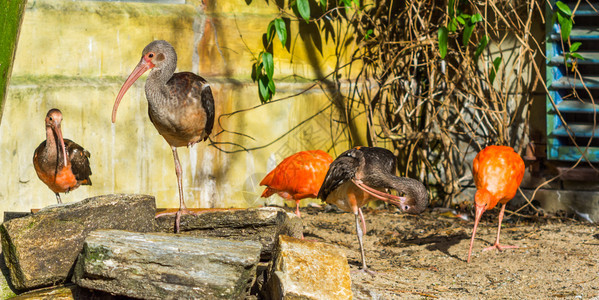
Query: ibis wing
[79, 158]
[342, 169]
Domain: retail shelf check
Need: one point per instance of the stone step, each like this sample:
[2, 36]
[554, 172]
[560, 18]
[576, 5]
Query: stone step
[262, 225]
[167, 266]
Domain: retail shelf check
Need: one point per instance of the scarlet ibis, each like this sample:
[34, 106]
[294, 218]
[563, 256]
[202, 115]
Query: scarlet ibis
[60, 163]
[498, 172]
[362, 174]
[298, 176]
[180, 105]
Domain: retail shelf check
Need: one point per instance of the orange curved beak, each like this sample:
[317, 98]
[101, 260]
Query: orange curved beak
[58, 131]
[141, 68]
[480, 209]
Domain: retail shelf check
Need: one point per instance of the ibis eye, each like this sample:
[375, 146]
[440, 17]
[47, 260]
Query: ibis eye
[151, 55]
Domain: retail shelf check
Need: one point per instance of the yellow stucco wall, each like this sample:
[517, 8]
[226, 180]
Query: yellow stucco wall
[74, 55]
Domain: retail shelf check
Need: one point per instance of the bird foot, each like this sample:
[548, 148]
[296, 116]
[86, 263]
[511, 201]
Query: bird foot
[499, 247]
[365, 271]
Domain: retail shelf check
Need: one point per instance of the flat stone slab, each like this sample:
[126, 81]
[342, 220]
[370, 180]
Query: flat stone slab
[167, 266]
[64, 292]
[308, 270]
[41, 249]
[262, 225]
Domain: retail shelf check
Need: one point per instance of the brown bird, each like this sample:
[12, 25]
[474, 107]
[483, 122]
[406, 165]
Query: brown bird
[298, 176]
[180, 105]
[363, 174]
[60, 163]
[498, 172]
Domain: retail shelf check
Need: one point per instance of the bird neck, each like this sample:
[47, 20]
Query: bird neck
[52, 146]
[484, 198]
[156, 89]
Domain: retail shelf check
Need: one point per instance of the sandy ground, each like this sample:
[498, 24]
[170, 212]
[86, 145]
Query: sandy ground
[424, 256]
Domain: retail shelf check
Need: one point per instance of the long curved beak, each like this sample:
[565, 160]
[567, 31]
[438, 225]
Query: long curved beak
[480, 209]
[58, 131]
[389, 198]
[141, 68]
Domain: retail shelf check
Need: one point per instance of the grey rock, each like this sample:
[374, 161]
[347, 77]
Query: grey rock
[41, 249]
[263, 225]
[167, 266]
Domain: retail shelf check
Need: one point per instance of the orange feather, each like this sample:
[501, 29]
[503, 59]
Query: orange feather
[298, 176]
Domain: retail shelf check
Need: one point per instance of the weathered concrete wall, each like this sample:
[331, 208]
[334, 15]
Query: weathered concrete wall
[75, 55]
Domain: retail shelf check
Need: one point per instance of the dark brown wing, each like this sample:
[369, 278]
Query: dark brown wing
[342, 169]
[79, 158]
[208, 104]
[184, 84]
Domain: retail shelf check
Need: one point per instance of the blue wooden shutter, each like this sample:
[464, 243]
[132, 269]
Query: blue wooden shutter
[580, 113]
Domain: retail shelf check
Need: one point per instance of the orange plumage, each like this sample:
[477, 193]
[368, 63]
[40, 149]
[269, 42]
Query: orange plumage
[498, 172]
[298, 176]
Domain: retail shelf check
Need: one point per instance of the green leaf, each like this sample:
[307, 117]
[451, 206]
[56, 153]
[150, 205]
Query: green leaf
[265, 93]
[493, 72]
[465, 17]
[466, 35]
[476, 18]
[442, 35]
[453, 25]
[268, 64]
[269, 30]
[281, 30]
[271, 86]
[461, 20]
[451, 4]
[481, 46]
[561, 6]
[357, 3]
[257, 70]
[304, 9]
[565, 28]
[576, 55]
[323, 3]
[575, 46]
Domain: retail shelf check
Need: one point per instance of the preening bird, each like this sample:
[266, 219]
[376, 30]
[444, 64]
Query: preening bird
[180, 105]
[362, 174]
[298, 176]
[498, 172]
[60, 163]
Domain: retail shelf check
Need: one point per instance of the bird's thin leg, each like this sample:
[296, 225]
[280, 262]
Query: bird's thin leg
[182, 208]
[179, 172]
[360, 234]
[297, 212]
[362, 219]
[58, 198]
[497, 245]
